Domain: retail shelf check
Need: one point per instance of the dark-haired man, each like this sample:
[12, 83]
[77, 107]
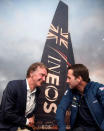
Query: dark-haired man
[19, 101]
[85, 100]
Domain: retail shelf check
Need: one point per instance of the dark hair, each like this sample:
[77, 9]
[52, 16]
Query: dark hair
[34, 67]
[80, 70]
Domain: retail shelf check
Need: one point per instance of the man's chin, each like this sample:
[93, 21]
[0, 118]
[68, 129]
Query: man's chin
[72, 87]
[40, 84]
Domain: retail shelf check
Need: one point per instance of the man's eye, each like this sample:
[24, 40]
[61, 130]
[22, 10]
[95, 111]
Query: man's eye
[42, 74]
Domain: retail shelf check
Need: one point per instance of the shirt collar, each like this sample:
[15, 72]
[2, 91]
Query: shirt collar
[28, 88]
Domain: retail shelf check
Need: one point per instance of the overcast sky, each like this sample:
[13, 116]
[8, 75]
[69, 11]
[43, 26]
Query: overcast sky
[24, 25]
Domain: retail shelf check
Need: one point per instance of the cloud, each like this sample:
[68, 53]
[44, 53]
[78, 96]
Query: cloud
[16, 58]
[88, 44]
[98, 74]
[22, 39]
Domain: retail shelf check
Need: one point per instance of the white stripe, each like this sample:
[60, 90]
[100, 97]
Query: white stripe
[74, 106]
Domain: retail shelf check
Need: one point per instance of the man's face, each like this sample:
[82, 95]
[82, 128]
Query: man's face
[72, 80]
[38, 76]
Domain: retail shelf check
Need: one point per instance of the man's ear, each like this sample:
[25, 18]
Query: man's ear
[31, 74]
[79, 78]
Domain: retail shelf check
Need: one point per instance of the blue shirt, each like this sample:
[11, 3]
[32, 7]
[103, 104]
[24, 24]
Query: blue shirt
[84, 117]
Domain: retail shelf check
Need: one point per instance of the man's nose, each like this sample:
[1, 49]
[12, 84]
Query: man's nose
[67, 80]
[44, 78]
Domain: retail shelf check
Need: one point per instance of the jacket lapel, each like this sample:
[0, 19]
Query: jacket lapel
[24, 94]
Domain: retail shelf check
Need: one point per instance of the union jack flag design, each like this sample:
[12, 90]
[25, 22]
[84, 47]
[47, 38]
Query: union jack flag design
[56, 33]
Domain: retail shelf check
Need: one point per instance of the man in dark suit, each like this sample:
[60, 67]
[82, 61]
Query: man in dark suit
[19, 101]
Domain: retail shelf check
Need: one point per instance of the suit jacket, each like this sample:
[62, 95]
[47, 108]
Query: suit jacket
[13, 106]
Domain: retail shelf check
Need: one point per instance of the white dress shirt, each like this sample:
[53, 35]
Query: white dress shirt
[30, 103]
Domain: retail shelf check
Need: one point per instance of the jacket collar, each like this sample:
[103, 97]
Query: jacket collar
[90, 84]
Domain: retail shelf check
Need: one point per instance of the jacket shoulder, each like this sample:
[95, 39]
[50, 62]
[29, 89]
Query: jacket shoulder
[14, 85]
[95, 86]
[16, 82]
